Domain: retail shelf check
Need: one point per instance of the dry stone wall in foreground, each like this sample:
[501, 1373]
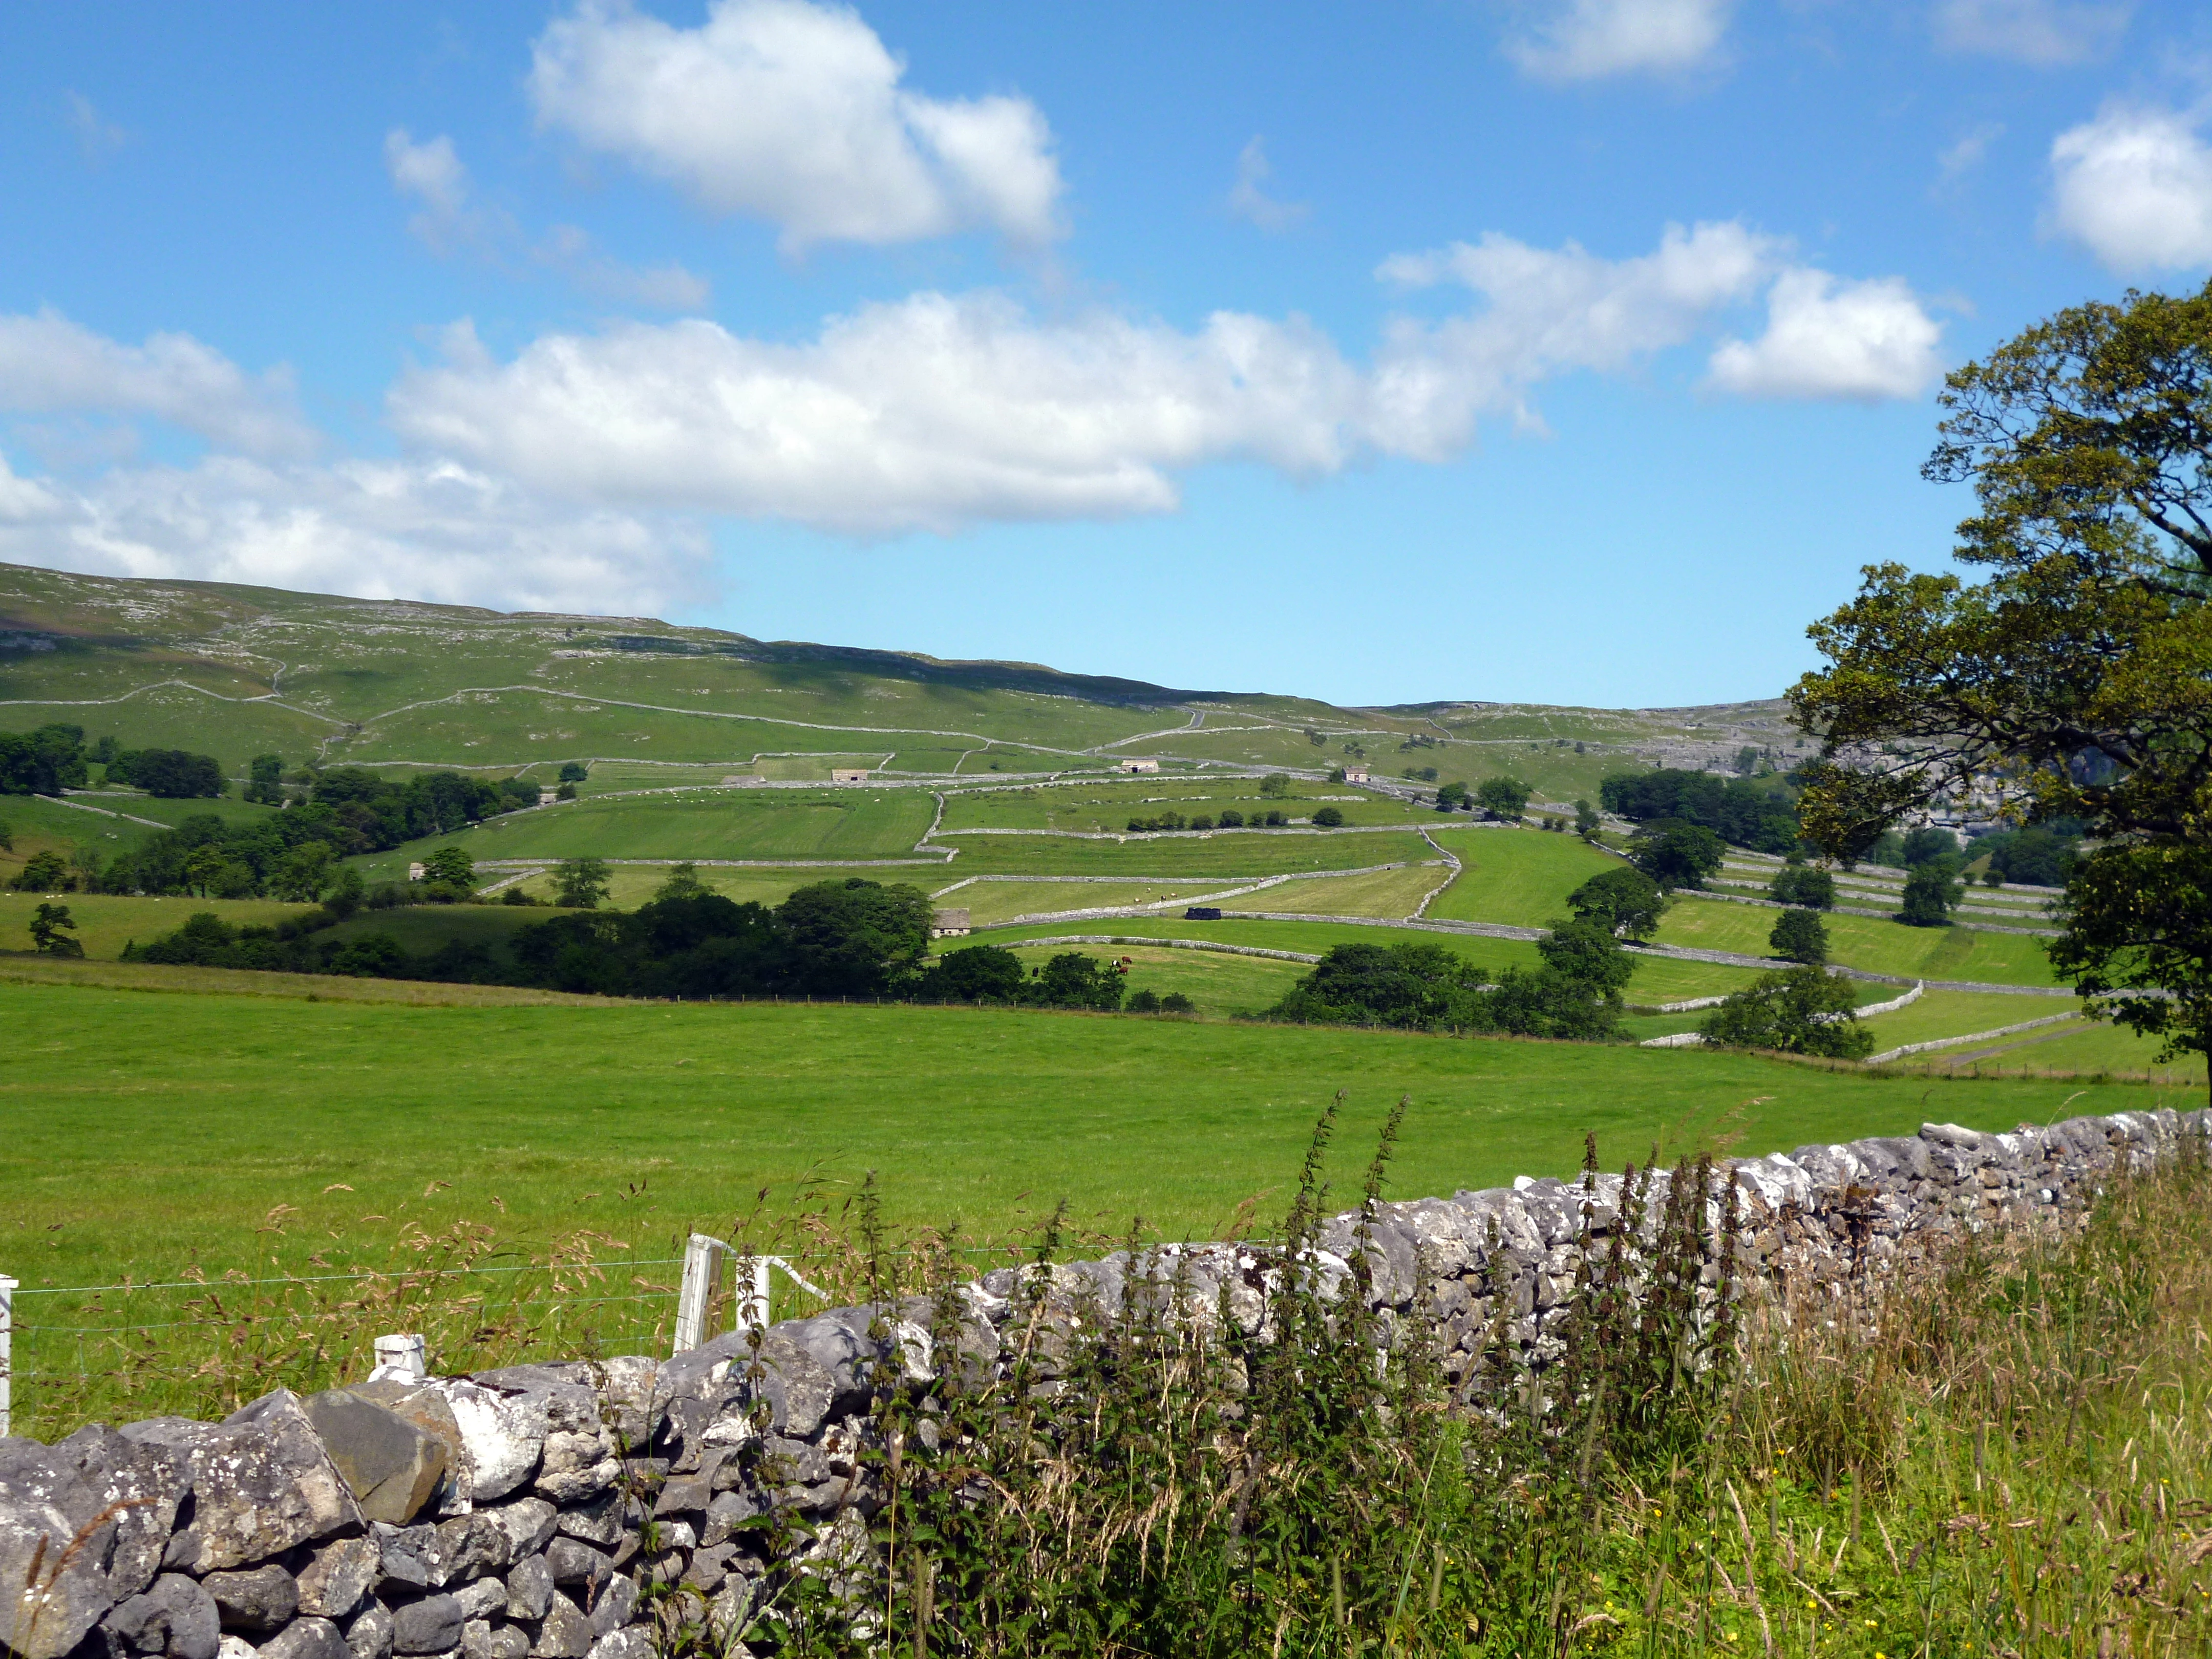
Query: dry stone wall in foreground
[503, 1515]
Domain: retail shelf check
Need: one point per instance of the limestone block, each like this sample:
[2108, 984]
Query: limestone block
[257, 1602]
[305, 1638]
[338, 1574]
[393, 1468]
[430, 1626]
[173, 1616]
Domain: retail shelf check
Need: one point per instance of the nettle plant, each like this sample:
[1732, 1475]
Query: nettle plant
[1280, 1467]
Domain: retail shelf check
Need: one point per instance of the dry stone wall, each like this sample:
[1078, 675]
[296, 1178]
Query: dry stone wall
[535, 1512]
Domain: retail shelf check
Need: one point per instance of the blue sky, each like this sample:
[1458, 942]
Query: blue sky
[1571, 350]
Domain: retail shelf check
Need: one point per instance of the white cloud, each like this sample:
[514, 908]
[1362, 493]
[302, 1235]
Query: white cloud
[1248, 199]
[1547, 311]
[1589, 40]
[792, 112]
[96, 136]
[433, 175]
[413, 530]
[49, 365]
[2135, 187]
[432, 172]
[924, 414]
[1824, 338]
[2042, 32]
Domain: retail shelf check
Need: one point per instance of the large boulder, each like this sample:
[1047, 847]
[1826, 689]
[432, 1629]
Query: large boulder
[427, 1405]
[393, 1468]
[502, 1431]
[261, 1484]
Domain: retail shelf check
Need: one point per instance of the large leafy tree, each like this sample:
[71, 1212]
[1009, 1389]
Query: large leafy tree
[2076, 676]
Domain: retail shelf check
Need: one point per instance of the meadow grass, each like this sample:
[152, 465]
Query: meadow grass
[144, 1133]
[629, 885]
[1517, 876]
[988, 902]
[1390, 894]
[1219, 985]
[1233, 854]
[2088, 1050]
[106, 922]
[1868, 942]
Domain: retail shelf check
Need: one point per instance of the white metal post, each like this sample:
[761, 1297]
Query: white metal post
[400, 1358]
[7, 1347]
[703, 1274]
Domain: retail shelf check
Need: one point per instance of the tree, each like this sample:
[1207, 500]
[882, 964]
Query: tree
[346, 894]
[2138, 932]
[2076, 671]
[266, 781]
[580, 884]
[174, 775]
[1586, 952]
[1797, 883]
[47, 936]
[1675, 854]
[1626, 903]
[1928, 843]
[1798, 936]
[855, 937]
[1328, 817]
[1798, 1011]
[573, 772]
[1275, 785]
[42, 763]
[302, 873]
[683, 882]
[449, 866]
[1174, 1002]
[1073, 979]
[203, 868]
[1587, 821]
[1453, 796]
[1505, 797]
[1932, 890]
[979, 973]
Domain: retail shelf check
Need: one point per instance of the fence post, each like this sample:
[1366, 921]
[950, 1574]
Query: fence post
[399, 1357]
[7, 1347]
[703, 1274]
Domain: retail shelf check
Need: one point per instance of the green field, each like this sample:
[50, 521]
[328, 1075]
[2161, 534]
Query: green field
[1868, 942]
[1230, 853]
[1517, 876]
[1220, 986]
[725, 824]
[991, 901]
[1394, 894]
[106, 922]
[142, 1133]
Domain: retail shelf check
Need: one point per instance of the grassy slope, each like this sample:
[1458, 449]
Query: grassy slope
[1517, 876]
[1868, 942]
[1388, 893]
[110, 1101]
[1220, 986]
[1226, 853]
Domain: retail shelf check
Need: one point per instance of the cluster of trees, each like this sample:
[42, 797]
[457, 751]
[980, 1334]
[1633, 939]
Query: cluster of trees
[1753, 812]
[2040, 855]
[378, 814]
[1798, 1011]
[1674, 854]
[54, 757]
[1228, 819]
[851, 938]
[1575, 993]
[1506, 798]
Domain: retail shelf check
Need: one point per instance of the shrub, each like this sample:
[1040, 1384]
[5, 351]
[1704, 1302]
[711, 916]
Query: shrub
[1143, 1002]
[1504, 798]
[1174, 1002]
[1275, 785]
[1231, 819]
[1328, 817]
[573, 772]
[1797, 883]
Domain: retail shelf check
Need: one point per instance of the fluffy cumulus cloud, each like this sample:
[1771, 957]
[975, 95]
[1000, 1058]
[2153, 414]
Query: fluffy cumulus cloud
[1828, 338]
[2042, 32]
[930, 412]
[420, 530]
[2135, 187]
[940, 410]
[1589, 40]
[794, 112]
[49, 365]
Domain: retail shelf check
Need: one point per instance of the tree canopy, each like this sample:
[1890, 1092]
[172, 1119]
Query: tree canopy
[1626, 903]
